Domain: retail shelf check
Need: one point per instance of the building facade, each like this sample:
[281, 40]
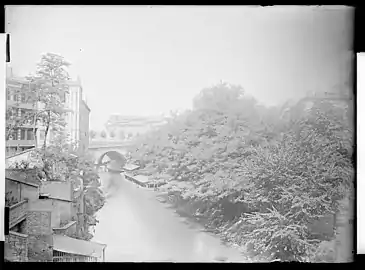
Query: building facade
[79, 118]
[132, 125]
[43, 221]
[22, 137]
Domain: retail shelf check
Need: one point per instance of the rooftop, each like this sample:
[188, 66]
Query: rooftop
[123, 118]
[27, 177]
[80, 247]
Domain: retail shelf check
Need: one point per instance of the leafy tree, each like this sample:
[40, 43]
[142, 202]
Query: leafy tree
[103, 134]
[62, 162]
[47, 91]
[112, 134]
[277, 169]
[92, 134]
[121, 135]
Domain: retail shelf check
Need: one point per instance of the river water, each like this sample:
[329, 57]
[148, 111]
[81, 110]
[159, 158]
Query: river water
[135, 226]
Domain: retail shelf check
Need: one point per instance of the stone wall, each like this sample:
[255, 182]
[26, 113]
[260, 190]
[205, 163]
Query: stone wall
[18, 246]
[47, 205]
[29, 193]
[40, 248]
[40, 239]
[39, 222]
[12, 192]
[61, 210]
[17, 213]
[58, 189]
[69, 229]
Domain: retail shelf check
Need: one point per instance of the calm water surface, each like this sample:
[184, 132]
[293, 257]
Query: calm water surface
[137, 227]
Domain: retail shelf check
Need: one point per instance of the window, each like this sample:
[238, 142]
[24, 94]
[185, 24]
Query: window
[10, 113]
[30, 134]
[23, 134]
[8, 94]
[13, 135]
[22, 98]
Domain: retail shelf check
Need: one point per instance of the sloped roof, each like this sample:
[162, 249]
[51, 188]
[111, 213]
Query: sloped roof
[75, 246]
[20, 153]
[130, 167]
[28, 177]
[28, 155]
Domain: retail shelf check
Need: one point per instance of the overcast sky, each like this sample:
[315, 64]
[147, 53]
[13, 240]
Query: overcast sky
[142, 60]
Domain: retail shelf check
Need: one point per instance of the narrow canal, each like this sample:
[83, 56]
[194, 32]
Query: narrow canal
[137, 227]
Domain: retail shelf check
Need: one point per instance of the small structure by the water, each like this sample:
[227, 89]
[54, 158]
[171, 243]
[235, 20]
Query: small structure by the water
[143, 180]
[131, 167]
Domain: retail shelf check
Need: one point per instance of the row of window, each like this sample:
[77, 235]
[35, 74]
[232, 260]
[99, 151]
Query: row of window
[18, 112]
[25, 134]
[21, 97]
[13, 97]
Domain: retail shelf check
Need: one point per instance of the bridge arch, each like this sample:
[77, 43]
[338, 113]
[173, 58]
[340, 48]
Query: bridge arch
[112, 155]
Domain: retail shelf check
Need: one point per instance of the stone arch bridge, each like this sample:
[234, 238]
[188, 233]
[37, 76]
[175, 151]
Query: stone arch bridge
[113, 150]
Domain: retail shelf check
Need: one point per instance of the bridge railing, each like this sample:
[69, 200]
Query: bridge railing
[110, 144]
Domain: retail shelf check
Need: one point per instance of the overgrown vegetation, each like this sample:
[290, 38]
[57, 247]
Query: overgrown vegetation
[59, 158]
[262, 176]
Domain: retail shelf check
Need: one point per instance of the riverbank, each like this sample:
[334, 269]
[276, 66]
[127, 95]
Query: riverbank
[187, 211]
[137, 227]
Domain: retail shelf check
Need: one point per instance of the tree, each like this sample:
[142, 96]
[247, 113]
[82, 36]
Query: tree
[278, 168]
[112, 134]
[92, 134]
[121, 135]
[47, 92]
[61, 162]
[103, 134]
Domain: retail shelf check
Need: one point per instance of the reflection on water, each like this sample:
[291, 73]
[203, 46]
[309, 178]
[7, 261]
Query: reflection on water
[136, 227]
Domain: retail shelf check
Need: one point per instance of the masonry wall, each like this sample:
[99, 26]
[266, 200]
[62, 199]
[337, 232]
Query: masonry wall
[47, 205]
[69, 229]
[18, 246]
[40, 239]
[84, 127]
[13, 191]
[57, 189]
[78, 213]
[65, 210]
[29, 192]
[19, 191]
[61, 211]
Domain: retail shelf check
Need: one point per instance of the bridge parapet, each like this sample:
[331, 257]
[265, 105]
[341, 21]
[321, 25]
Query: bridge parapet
[110, 145]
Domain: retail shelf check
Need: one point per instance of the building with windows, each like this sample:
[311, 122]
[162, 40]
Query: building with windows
[79, 118]
[132, 125]
[21, 138]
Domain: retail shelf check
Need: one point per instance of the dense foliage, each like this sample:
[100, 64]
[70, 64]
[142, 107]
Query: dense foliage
[60, 159]
[46, 91]
[92, 134]
[280, 169]
[103, 134]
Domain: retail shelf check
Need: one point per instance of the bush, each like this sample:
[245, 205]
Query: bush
[284, 168]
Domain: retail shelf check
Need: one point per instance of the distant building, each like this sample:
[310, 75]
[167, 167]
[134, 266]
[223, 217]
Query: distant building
[132, 125]
[21, 138]
[78, 120]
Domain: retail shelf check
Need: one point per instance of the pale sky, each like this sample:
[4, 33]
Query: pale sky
[142, 61]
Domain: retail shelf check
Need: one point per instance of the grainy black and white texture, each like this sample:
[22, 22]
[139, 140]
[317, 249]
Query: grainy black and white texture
[204, 133]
